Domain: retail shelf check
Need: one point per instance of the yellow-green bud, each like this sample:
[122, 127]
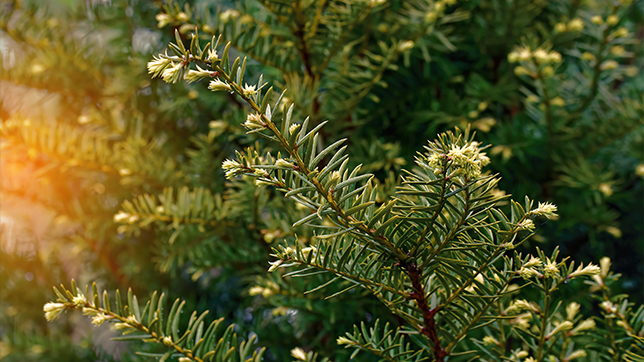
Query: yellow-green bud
[576, 354]
[53, 310]
[582, 326]
[620, 33]
[283, 163]
[609, 64]
[563, 326]
[532, 99]
[431, 17]
[576, 24]
[405, 45]
[521, 354]
[249, 90]
[163, 19]
[612, 20]
[608, 307]
[254, 121]
[588, 56]
[218, 85]
[489, 340]
[605, 189]
[558, 101]
[554, 57]
[617, 50]
[183, 16]
[631, 72]
[540, 55]
[588, 270]
[298, 353]
[550, 269]
[343, 340]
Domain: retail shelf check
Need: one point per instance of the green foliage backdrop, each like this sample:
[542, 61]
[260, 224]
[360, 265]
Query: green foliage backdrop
[177, 151]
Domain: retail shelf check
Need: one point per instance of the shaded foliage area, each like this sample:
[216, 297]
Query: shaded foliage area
[117, 178]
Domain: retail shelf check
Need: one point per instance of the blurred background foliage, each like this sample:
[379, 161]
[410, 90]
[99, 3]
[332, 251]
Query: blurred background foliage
[108, 175]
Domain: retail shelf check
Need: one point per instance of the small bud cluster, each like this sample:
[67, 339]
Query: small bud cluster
[98, 318]
[560, 327]
[546, 210]
[541, 56]
[550, 269]
[529, 273]
[218, 85]
[249, 91]
[196, 75]
[405, 45]
[53, 310]
[228, 14]
[299, 354]
[529, 269]
[544, 60]
[589, 270]
[293, 128]
[463, 161]
[343, 340]
[527, 225]
[519, 306]
[164, 19]
[584, 325]
[254, 122]
[124, 217]
[233, 168]
[522, 321]
[608, 65]
[158, 65]
[172, 73]
[265, 292]
[537, 267]
[282, 163]
[489, 341]
[574, 25]
[571, 310]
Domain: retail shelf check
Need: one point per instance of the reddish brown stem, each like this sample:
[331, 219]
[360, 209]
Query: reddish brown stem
[429, 329]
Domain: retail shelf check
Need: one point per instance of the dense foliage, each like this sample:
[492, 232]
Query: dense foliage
[183, 189]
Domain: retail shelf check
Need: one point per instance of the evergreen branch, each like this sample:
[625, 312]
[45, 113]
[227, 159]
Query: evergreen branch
[429, 329]
[299, 33]
[474, 319]
[549, 115]
[503, 246]
[322, 256]
[316, 20]
[594, 86]
[333, 190]
[341, 41]
[383, 342]
[198, 206]
[252, 49]
[302, 169]
[71, 146]
[197, 343]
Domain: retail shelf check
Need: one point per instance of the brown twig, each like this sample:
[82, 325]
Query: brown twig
[418, 295]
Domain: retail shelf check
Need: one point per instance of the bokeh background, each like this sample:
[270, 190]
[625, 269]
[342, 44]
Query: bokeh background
[85, 129]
